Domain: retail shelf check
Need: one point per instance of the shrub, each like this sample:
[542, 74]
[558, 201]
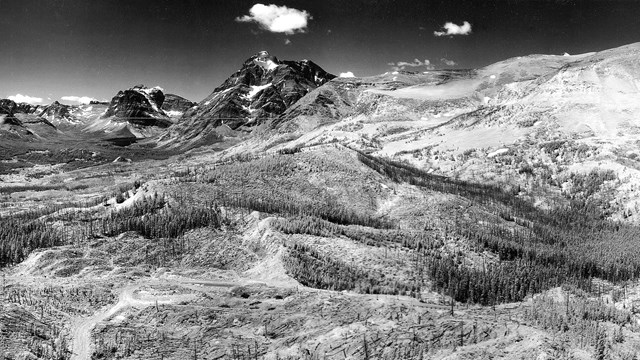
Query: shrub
[120, 198]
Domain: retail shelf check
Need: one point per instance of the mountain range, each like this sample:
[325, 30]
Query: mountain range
[452, 122]
[292, 214]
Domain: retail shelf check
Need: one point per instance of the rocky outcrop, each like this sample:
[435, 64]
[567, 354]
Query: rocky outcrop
[132, 113]
[9, 119]
[7, 107]
[174, 104]
[11, 107]
[57, 112]
[25, 108]
[139, 105]
[20, 121]
[329, 103]
[262, 89]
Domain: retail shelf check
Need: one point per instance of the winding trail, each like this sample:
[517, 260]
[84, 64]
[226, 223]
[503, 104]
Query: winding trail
[81, 331]
[82, 327]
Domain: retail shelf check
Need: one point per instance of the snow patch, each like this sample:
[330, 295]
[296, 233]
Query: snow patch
[394, 73]
[226, 90]
[267, 64]
[174, 113]
[147, 93]
[256, 89]
[497, 152]
[492, 76]
[248, 109]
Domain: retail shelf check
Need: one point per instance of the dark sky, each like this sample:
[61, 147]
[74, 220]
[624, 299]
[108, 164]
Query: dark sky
[50, 49]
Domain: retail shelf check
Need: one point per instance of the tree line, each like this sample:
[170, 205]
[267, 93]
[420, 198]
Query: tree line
[567, 244]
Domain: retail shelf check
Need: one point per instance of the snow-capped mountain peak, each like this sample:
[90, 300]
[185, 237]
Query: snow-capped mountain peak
[266, 61]
[262, 89]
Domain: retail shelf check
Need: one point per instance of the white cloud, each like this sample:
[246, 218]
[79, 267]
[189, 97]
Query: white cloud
[347, 74]
[448, 62]
[287, 41]
[401, 65]
[453, 29]
[78, 99]
[415, 63]
[277, 19]
[19, 98]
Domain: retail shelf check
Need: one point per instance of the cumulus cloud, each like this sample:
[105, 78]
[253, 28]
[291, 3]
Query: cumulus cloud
[19, 98]
[287, 41]
[415, 63]
[277, 19]
[78, 99]
[401, 65]
[448, 62]
[347, 74]
[453, 29]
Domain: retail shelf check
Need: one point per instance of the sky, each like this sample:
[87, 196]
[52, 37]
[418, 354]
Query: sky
[75, 50]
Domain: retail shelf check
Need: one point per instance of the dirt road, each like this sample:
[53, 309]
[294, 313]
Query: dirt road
[82, 327]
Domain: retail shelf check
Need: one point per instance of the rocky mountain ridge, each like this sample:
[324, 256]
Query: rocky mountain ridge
[23, 121]
[58, 113]
[8, 106]
[550, 117]
[175, 105]
[133, 113]
[262, 89]
[139, 105]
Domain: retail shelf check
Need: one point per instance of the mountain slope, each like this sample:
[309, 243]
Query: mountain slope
[537, 120]
[20, 121]
[139, 105]
[175, 105]
[262, 89]
[135, 112]
[592, 94]
[58, 113]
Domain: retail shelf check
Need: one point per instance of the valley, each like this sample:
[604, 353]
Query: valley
[292, 214]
